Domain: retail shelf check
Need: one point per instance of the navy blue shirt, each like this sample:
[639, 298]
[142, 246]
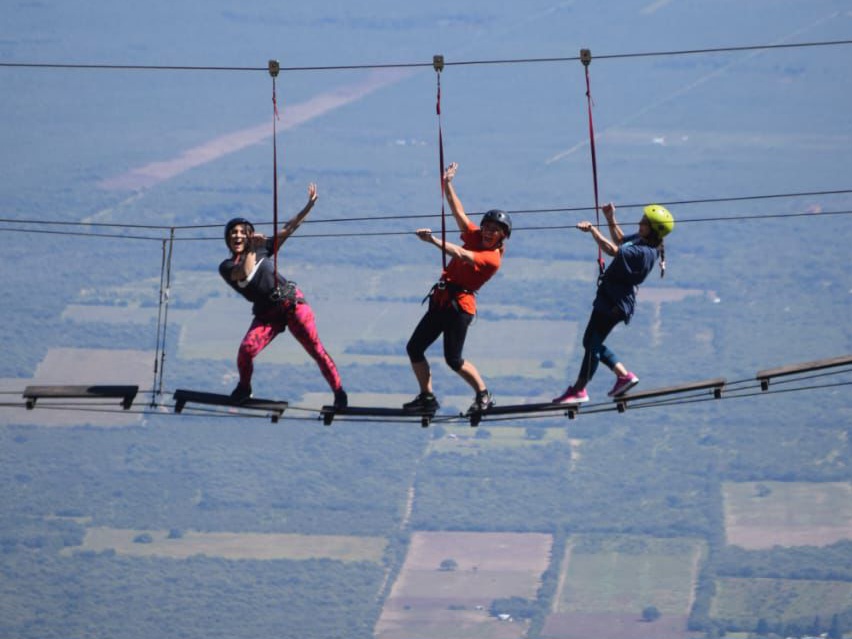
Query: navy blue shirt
[622, 277]
[260, 283]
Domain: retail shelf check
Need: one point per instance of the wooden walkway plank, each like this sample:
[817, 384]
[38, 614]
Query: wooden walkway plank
[518, 409]
[764, 376]
[126, 393]
[716, 385]
[183, 396]
[329, 412]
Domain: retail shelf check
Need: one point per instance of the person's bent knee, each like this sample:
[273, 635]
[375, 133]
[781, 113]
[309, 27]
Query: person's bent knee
[416, 354]
[455, 363]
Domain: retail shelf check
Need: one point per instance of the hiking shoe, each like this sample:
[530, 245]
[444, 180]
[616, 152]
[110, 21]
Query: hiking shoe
[623, 384]
[571, 396]
[481, 403]
[240, 394]
[341, 399]
[423, 403]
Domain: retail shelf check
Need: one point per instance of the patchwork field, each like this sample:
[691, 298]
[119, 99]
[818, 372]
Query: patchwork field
[428, 601]
[606, 583]
[765, 514]
[233, 545]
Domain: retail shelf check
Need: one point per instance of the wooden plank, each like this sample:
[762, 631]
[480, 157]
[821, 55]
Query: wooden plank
[715, 384]
[517, 409]
[126, 393]
[183, 396]
[764, 376]
[328, 413]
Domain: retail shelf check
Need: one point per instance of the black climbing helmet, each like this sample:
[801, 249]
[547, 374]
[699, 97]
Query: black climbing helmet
[234, 222]
[500, 217]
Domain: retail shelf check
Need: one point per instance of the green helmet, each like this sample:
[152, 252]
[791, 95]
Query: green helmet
[661, 221]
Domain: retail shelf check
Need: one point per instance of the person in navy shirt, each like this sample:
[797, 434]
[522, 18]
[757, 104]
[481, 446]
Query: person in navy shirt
[277, 304]
[633, 258]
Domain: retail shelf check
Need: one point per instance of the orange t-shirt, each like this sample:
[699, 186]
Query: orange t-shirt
[470, 276]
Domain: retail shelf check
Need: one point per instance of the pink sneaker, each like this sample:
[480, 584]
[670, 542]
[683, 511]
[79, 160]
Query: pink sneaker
[570, 396]
[623, 384]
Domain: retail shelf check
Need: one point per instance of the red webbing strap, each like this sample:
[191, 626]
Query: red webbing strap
[274, 171]
[586, 59]
[438, 63]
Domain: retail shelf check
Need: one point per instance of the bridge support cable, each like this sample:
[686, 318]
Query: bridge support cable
[95, 398]
[162, 317]
[274, 68]
[586, 59]
[438, 65]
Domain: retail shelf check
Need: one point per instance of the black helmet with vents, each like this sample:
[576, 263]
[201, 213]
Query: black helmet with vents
[499, 217]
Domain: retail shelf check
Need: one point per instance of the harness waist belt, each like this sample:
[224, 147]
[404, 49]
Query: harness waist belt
[452, 288]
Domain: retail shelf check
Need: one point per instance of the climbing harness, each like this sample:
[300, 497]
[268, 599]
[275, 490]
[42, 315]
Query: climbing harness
[286, 293]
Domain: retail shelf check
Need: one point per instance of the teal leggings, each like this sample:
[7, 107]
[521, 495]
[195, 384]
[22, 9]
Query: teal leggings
[598, 329]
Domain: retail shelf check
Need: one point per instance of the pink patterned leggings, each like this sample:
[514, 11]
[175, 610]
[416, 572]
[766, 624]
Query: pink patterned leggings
[301, 322]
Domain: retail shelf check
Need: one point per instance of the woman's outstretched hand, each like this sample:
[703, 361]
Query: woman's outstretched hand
[450, 172]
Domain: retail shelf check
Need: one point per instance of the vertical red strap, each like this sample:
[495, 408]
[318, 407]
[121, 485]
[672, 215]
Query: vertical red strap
[594, 162]
[274, 178]
[441, 174]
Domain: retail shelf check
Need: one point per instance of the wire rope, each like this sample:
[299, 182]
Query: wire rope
[304, 236]
[530, 211]
[405, 65]
[438, 64]
[675, 399]
[216, 225]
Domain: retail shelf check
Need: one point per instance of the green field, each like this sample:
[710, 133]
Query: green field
[627, 574]
[744, 600]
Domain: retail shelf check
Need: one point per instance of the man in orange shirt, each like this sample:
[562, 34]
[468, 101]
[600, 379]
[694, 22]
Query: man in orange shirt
[452, 301]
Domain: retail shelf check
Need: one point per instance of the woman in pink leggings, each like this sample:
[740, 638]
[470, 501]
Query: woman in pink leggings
[277, 303]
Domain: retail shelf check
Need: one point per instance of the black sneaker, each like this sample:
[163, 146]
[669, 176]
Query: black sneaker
[240, 394]
[341, 400]
[482, 403]
[423, 403]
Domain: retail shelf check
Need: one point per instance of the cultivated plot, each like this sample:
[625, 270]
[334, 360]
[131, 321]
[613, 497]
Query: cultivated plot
[449, 580]
[765, 514]
[607, 583]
